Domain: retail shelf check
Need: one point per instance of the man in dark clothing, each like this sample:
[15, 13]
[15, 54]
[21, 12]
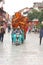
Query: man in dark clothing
[2, 34]
[41, 35]
[9, 28]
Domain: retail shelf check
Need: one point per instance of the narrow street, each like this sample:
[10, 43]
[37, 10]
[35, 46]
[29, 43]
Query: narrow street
[29, 53]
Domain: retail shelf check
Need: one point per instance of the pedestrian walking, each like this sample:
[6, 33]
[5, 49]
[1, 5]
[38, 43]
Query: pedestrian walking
[9, 28]
[41, 34]
[2, 34]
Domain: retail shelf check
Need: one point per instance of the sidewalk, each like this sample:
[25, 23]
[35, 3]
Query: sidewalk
[29, 53]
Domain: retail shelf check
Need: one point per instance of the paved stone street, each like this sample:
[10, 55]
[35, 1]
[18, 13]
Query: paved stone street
[29, 53]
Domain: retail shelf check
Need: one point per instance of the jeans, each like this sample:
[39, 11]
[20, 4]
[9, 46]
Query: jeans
[2, 36]
[40, 40]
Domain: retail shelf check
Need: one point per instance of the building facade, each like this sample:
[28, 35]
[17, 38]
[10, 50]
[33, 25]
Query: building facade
[38, 5]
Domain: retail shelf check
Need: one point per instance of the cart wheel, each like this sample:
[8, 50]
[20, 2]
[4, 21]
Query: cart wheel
[17, 44]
